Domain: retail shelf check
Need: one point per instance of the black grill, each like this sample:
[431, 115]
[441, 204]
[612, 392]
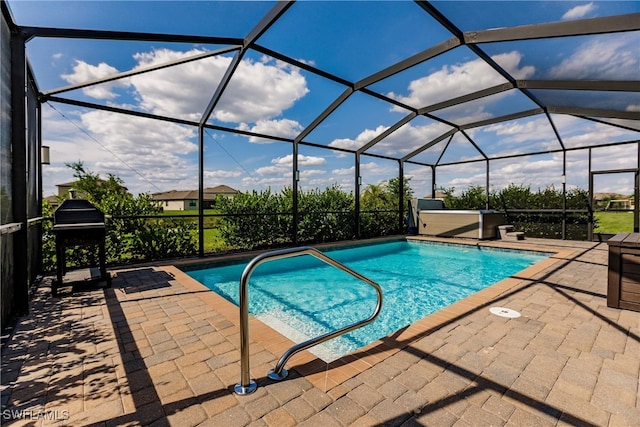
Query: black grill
[78, 222]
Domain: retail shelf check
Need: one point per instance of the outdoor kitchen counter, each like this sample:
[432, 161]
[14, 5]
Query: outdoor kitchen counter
[480, 224]
[623, 289]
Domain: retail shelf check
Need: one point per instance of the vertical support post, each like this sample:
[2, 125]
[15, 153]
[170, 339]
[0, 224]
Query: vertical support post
[564, 194]
[294, 187]
[19, 172]
[486, 187]
[40, 195]
[201, 190]
[433, 181]
[358, 182]
[401, 207]
[636, 197]
[590, 202]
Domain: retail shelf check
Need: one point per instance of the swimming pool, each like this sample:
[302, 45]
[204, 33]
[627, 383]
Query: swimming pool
[303, 297]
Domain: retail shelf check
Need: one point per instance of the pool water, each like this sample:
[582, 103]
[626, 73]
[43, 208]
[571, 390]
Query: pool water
[302, 297]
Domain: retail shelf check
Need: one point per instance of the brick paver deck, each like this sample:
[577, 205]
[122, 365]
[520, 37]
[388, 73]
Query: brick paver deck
[159, 349]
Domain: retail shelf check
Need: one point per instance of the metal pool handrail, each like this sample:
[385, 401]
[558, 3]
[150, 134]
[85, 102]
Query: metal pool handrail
[247, 385]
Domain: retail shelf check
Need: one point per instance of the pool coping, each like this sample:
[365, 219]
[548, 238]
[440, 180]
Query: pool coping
[329, 376]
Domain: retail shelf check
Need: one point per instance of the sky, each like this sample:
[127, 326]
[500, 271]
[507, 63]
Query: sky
[350, 40]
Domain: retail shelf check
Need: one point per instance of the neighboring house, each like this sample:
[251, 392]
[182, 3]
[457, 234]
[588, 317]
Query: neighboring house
[613, 201]
[188, 200]
[63, 189]
[619, 204]
[53, 200]
[63, 192]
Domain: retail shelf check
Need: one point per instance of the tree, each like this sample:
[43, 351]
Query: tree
[264, 219]
[473, 198]
[529, 211]
[379, 207]
[376, 197]
[90, 186]
[394, 188]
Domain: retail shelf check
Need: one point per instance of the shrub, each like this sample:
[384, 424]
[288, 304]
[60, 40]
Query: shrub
[534, 224]
[127, 238]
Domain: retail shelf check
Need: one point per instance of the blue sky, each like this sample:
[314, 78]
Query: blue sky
[350, 40]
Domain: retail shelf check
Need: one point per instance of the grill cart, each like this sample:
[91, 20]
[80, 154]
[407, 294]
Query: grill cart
[78, 222]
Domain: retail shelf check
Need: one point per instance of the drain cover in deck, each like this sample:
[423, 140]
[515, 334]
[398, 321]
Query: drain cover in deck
[504, 312]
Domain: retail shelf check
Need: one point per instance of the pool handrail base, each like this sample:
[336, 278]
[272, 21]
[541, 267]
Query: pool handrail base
[278, 376]
[241, 390]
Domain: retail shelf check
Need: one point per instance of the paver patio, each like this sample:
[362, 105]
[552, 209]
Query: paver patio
[159, 349]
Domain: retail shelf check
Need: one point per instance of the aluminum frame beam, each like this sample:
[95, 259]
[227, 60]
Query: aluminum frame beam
[466, 98]
[595, 112]
[594, 85]
[429, 145]
[31, 32]
[418, 58]
[607, 24]
[506, 117]
[136, 72]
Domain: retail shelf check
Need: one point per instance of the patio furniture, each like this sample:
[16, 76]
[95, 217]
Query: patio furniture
[78, 222]
[623, 289]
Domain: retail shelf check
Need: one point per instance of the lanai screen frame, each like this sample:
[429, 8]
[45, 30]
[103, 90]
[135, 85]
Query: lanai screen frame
[472, 39]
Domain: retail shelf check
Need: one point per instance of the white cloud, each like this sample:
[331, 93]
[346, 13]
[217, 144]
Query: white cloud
[307, 173]
[520, 131]
[259, 90]
[363, 138]
[579, 11]
[576, 132]
[460, 79]
[284, 165]
[510, 61]
[223, 174]
[84, 72]
[368, 166]
[612, 57]
[302, 160]
[403, 141]
[409, 138]
[344, 171]
[284, 128]
[156, 150]
[635, 107]
[277, 182]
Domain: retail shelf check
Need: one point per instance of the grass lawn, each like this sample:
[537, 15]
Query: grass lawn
[614, 222]
[189, 212]
[212, 240]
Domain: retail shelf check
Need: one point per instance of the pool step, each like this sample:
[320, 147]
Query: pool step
[507, 232]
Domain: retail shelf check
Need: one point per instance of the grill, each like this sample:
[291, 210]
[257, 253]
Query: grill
[78, 223]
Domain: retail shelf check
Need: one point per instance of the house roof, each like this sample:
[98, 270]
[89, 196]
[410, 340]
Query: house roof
[209, 193]
[73, 183]
[220, 189]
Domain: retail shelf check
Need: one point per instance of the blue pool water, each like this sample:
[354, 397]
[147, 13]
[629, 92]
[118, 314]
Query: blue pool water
[303, 297]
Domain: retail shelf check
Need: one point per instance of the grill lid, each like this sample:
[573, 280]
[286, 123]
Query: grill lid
[77, 211]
